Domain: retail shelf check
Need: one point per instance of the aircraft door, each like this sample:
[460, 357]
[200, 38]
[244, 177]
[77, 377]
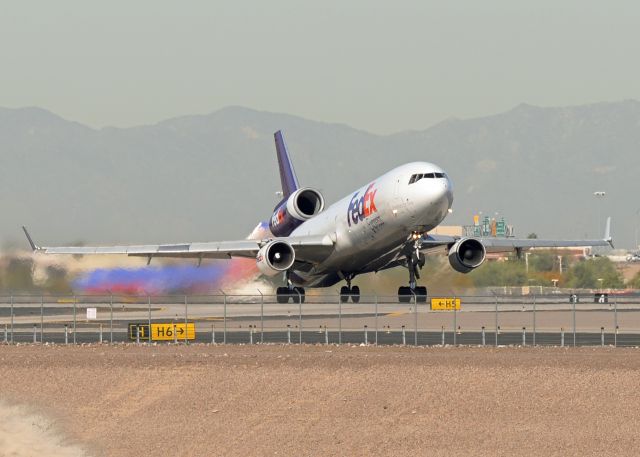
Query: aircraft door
[398, 205]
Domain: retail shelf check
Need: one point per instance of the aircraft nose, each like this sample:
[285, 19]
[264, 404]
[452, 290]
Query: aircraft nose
[448, 192]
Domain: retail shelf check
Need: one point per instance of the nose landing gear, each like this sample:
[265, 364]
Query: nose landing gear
[414, 263]
[405, 294]
[295, 294]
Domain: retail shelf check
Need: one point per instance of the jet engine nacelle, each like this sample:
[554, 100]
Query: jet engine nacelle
[466, 254]
[302, 205]
[275, 257]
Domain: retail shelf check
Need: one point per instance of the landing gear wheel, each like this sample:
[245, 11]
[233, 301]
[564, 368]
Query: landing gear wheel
[404, 294]
[297, 294]
[355, 294]
[344, 294]
[282, 294]
[421, 294]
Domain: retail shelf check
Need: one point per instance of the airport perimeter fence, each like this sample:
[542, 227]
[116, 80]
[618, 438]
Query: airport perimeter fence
[550, 320]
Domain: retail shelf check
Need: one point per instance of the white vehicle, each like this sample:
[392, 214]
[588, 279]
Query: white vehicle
[633, 257]
[381, 225]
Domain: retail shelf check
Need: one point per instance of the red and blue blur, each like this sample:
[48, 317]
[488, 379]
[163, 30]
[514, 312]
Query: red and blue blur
[181, 278]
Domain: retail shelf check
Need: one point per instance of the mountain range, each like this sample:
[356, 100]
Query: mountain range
[214, 176]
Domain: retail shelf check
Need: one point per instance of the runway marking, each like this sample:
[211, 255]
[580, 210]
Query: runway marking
[396, 314]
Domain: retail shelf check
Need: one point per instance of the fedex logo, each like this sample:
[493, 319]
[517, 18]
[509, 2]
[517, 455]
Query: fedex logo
[278, 217]
[363, 207]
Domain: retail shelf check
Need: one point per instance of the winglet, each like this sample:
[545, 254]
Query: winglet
[607, 232]
[34, 246]
[288, 177]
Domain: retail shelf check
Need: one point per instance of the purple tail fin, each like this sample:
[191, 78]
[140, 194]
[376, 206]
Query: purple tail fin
[287, 173]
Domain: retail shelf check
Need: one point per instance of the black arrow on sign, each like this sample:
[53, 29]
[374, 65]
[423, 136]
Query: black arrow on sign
[180, 330]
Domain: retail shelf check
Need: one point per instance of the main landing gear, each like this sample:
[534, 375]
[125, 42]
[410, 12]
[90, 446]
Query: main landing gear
[347, 292]
[295, 294]
[405, 294]
[289, 292]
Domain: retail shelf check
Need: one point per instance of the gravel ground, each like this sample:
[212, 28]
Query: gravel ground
[206, 400]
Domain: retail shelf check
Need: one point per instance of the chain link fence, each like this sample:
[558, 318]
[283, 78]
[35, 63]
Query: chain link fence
[548, 319]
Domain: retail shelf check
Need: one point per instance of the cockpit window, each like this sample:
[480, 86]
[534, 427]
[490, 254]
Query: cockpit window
[417, 177]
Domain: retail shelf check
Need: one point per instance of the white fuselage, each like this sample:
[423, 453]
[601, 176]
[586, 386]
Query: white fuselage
[371, 225]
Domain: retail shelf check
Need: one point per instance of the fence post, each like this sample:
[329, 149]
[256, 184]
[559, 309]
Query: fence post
[524, 336]
[42, 319]
[35, 338]
[111, 318]
[149, 306]
[455, 323]
[496, 312]
[574, 323]
[415, 319]
[483, 339]
[443, 335]
[602, 336]
[404, 337]
[339, 319]
[366, 340]
[224, 318]
[299, 316]
[615, 321]
[326, 335]
[288, 334]
[186, 321]
[100, 340]
[376, 299]
[75, 306]
[213, 333]
[6, 333]
[561, 337]
[66, 334]
[250, 334]
[534, 319]
[137, 334]
[175, 334]
[261, 316]
[11, 319]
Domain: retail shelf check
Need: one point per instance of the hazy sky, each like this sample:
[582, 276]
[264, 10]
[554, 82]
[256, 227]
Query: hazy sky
[377, 65]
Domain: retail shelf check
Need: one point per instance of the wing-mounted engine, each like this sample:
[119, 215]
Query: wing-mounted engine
[301, 206]
[275, 257]
[466, 254]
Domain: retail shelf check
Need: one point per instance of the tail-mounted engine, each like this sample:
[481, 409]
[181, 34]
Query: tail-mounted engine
[275, 257]
[466, 254]
[302, 205]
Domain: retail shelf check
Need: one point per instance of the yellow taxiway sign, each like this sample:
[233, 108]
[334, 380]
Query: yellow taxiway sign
[445, 304]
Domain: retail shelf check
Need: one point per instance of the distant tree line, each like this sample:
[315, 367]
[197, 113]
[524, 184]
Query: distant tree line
[544, 267]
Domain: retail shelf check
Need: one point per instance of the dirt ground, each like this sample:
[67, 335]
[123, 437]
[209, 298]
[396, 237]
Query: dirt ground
[206, 400]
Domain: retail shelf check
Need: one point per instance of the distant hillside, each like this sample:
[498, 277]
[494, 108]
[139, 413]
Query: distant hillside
[214, 176]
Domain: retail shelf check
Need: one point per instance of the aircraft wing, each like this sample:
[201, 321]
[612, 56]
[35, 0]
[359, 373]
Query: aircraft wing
[307, 248]
[493, 244]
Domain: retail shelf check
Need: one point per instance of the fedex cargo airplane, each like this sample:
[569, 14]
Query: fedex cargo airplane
[383, 224]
